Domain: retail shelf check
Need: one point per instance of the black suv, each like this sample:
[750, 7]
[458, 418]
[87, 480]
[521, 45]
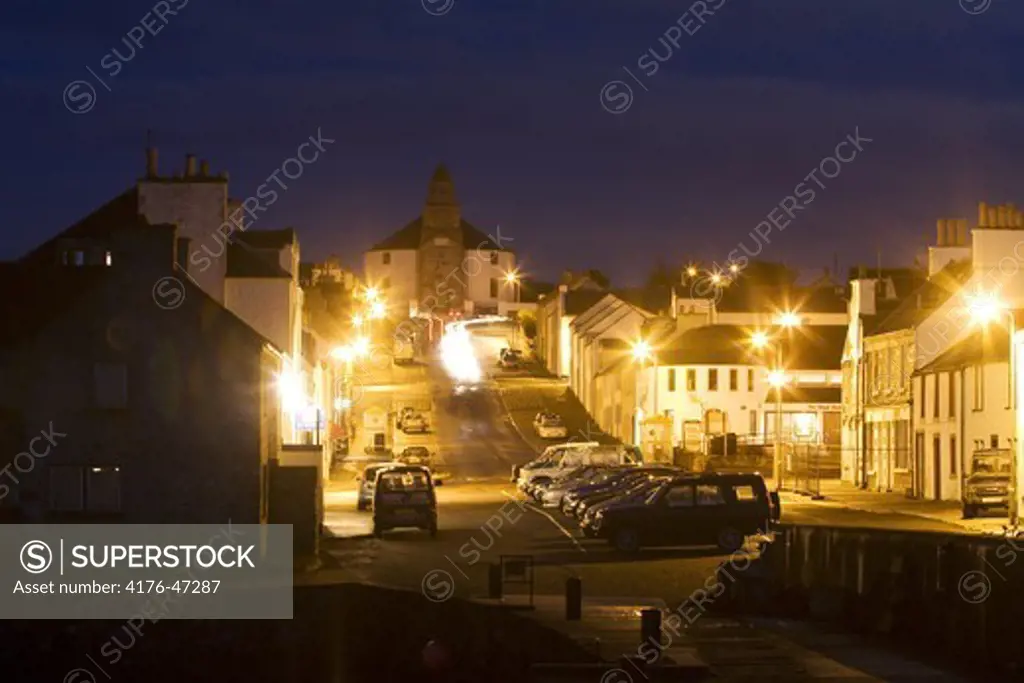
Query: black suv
[693, 509]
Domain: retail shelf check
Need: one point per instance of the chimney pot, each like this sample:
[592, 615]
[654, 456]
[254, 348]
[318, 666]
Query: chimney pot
[940, 230]
[151, 158]
[951, 233]
[961, 232]
[982, 214]
[204, 168]
[993, 217]
[1004, 216]
[190, 165]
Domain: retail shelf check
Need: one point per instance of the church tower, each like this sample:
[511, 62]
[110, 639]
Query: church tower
[442, 248]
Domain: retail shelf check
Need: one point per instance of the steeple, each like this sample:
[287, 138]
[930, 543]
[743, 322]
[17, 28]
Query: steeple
[442, 190]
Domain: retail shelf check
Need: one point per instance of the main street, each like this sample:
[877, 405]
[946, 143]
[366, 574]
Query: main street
[482, 517]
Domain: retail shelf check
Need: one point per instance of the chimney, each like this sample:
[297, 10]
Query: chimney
[961, 232]
[204, 168]
[951, 233]
[190, 165]
[1004, 216]
[940, 230]
[993, 216]
[982, 214]
[151, 162]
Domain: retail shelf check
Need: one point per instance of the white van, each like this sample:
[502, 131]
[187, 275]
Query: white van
[558, 460]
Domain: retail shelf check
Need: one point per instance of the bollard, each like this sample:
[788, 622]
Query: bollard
[573, 599]
[494, 587]
[650, 625]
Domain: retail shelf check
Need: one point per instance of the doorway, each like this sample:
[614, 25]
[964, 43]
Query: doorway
[937, 465]
[918, 474]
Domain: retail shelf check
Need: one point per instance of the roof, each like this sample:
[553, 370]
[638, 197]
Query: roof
[245, 261]
[918, 305]
[800, 394]
[119, 213]
[751, 297]
[409, 238]
[985, 345]
[805, 348]
[43, 294]
[266, 239]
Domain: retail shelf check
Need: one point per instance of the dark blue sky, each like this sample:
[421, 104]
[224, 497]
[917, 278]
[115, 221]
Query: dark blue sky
[507, 93]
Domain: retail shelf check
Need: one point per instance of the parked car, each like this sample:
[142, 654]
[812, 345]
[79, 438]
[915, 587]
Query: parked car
[692, 509]
[403, 496]
[415, 455]
[414, 423]
[988, 486]
[402, 414]
[564, 459]
[549, 455]
[552, 495]
[637, 495]
[551, 427]
[613, 485]
[366, 481]
[511, 360]
[379, 451]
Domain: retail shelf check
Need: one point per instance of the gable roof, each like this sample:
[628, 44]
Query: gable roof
[919, 304]
[409, 238]
[818, 347]
[985, 345]
[119, 213]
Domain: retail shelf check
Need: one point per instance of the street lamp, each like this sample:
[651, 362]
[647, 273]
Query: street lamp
[985, 308]
[777, 379]
[642, 352]
[357, 321]
[512, 279]
[371, 294]
[378, 309]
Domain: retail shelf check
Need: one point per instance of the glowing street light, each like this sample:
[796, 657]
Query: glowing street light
[511, 277]
[759, 340]
[734, 268]
[361, 347]
[985, 308]
[342, 353]
[641, 350]
[777, 379]
[378, 310]
[716, 278]
[357, 320]
[371, 294]
[788, 319]
[691, 271]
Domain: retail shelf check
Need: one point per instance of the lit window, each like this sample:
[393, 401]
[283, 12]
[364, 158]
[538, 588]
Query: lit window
[108, 259]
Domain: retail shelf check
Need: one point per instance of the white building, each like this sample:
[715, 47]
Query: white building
[439, 265]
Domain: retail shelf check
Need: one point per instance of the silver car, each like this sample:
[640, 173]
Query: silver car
[366, 482]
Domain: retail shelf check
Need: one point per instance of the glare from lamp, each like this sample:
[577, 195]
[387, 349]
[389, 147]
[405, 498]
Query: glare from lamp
[777, 378]
[788, 319]
[734, 268]
[361, 346]
[371, 293]
[511, 277]
[357, 320]
[985, 308]
[716, 278]
[641, 350]
[378, 310]
[759, 340]
[691, 271]
[342, 353]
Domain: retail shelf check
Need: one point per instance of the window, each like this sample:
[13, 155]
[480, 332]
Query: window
[691, 380]
[494, 288]
[103, 489]
[108, 259]
[679, 496]
[745, 494]
[671, 379]
[111, 385]
[993, 441]
[73, 257]
[952, 394]
[709, 494]
[979, 387]
[66, 492]
[935, 394]
[386, 258]
[750, 379]
[494, 258]
[753, 422]
[734, 379]
[924, 385]
[713, 379]
[952, 455]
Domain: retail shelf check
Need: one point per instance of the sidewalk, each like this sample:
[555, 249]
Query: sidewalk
[843, 494]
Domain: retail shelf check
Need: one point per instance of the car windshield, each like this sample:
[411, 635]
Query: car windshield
[992, 465]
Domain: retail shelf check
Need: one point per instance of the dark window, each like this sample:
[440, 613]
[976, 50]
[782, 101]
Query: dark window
[494, 288]
[952, 395]
[671, 379]
[924, 386]
[710, 494]
[734, 380]
[386, 258]
[935, 394]
[753, 422]
[979, 387]
[494, 258]
[713, 379]
[750, 380]
[680, 496]
[993, 441]
[952, 454]
[691, 380]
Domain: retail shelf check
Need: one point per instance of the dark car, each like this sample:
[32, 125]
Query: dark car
[636, 495]
[692, 509]
[615, 484]
[403, 496]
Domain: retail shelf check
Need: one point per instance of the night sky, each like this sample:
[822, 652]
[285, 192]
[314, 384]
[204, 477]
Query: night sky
[508, 93]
